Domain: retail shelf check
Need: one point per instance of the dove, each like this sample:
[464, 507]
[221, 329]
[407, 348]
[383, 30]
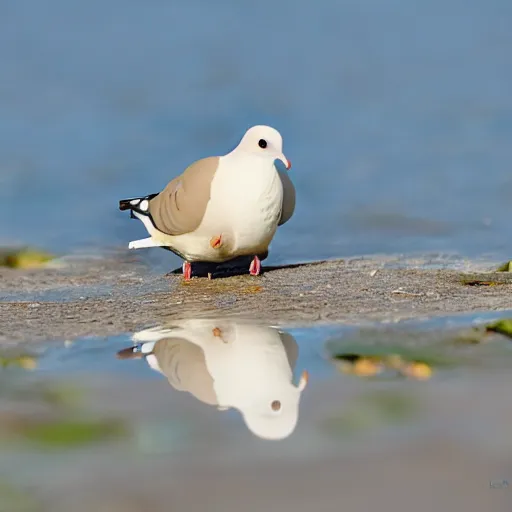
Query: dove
[221, 207]
[229, 364]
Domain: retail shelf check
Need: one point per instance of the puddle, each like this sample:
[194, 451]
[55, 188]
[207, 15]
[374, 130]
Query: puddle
[249, 410]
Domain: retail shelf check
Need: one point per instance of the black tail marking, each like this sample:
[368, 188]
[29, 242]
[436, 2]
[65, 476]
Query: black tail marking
[130, 353]
[126, 204]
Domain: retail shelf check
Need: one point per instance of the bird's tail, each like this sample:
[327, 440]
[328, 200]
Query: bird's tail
[125, 204]
[134, 202]
[137, 351]
[134, 352]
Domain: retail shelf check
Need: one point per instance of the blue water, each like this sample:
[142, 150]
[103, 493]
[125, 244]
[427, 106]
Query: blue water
[89, 356]
[95, 356]
[173, 443]
[261, 365]
[397, 116]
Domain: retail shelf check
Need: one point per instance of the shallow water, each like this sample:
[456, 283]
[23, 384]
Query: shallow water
[397, 117]
[160, 439]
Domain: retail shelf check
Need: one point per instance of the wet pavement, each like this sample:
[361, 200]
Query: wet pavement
[118, 295]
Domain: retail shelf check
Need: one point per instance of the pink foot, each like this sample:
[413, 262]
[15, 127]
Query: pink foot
[187, 271]
[255, 267]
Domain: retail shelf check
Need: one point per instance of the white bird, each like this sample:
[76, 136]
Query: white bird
[223, 207]
[229, 364]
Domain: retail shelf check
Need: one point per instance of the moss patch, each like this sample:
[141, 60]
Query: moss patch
[24, 257]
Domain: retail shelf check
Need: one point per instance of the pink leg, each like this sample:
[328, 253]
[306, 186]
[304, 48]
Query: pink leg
[187, 271]
[255, 267]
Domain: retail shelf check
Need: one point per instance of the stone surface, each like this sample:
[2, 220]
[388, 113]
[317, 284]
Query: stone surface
[120, 294]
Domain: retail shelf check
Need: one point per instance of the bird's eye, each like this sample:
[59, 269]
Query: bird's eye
[276, 405]
[262, 143]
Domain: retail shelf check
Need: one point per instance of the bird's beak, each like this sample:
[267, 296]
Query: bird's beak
[285, 161]
[304, 378]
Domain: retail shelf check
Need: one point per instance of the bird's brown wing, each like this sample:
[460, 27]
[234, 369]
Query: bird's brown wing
[288, 198]
[291, 348]
[180, 207]
[184, 365]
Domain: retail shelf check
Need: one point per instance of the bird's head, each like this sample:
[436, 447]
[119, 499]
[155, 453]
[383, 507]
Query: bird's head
[274, 415]
[264, 141]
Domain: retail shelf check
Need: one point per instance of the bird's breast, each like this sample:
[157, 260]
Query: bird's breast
[248, 204]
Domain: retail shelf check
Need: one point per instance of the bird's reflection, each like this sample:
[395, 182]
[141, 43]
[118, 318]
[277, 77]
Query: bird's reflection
[229, 364]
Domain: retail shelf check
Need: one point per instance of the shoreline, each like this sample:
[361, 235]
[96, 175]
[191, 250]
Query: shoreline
[100, 297]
